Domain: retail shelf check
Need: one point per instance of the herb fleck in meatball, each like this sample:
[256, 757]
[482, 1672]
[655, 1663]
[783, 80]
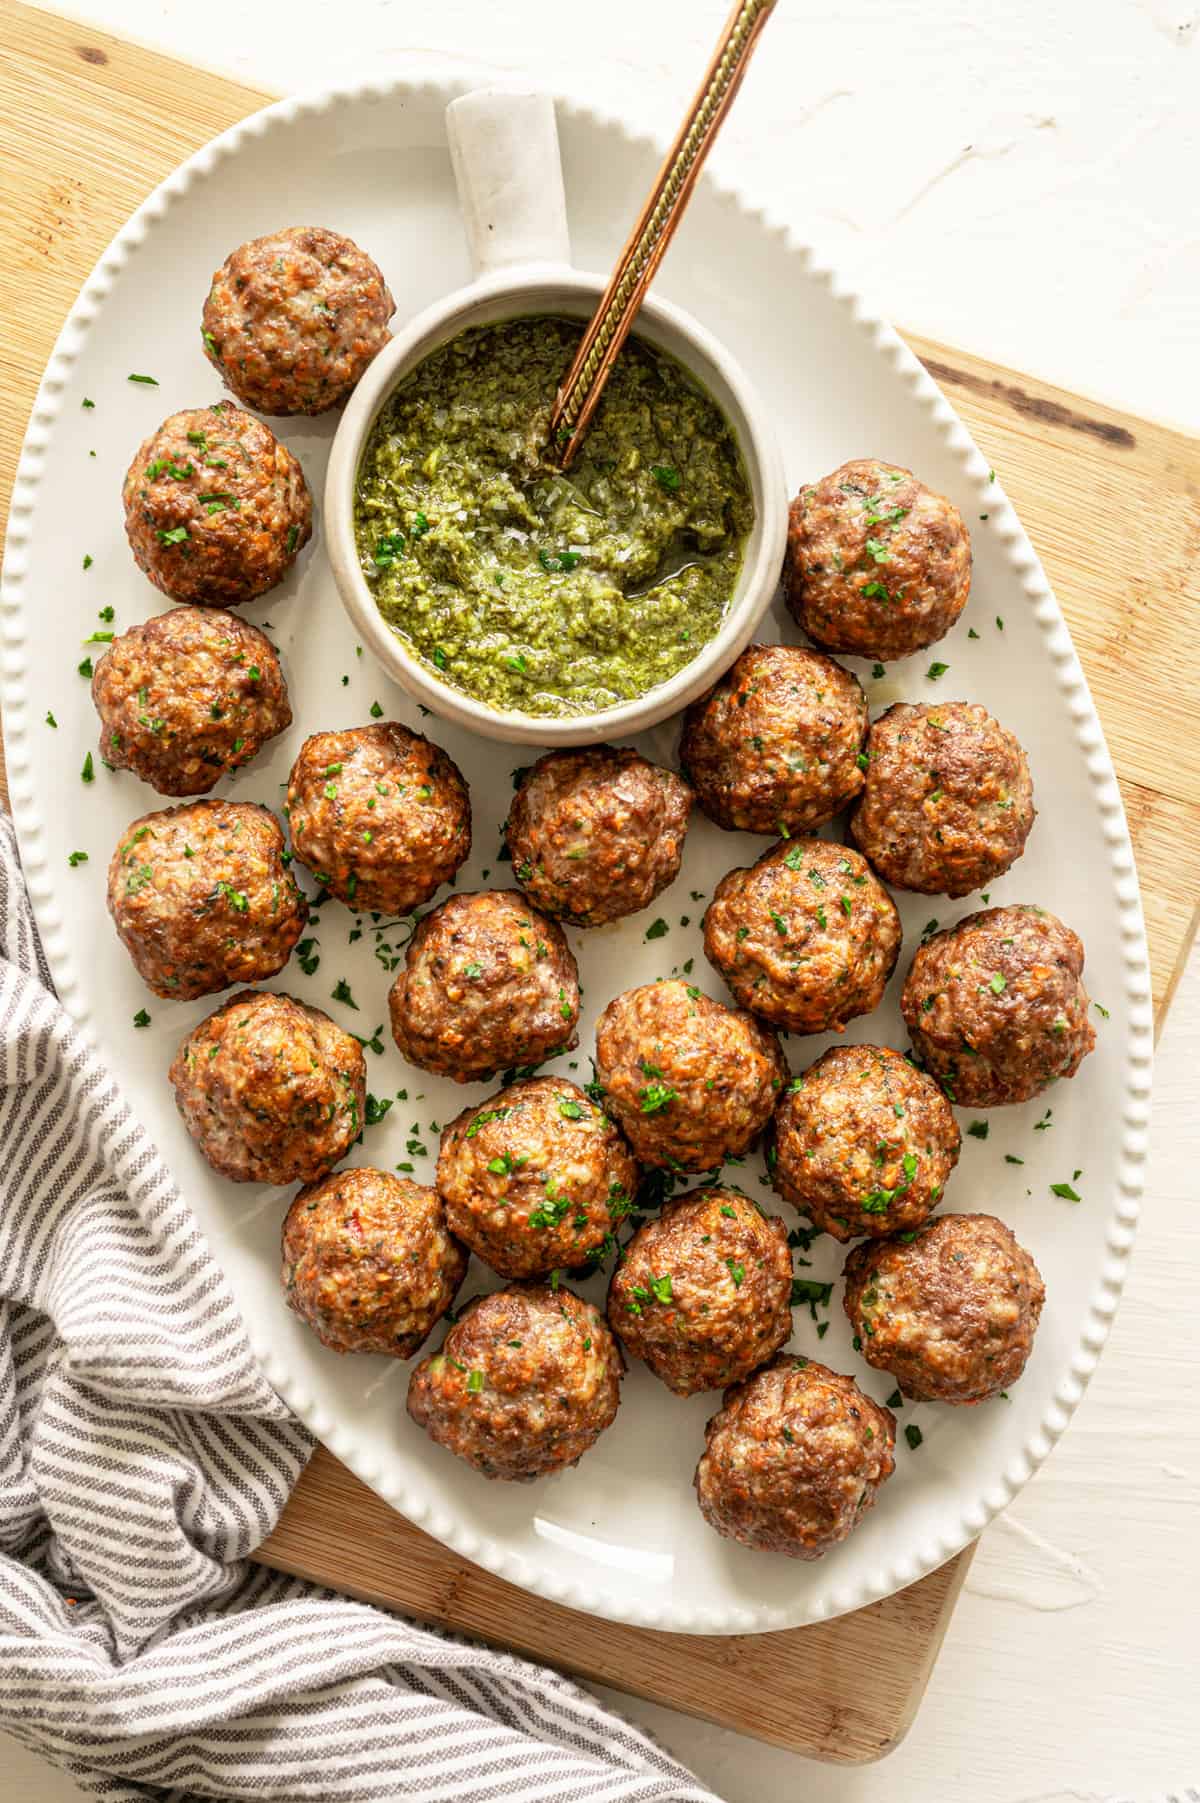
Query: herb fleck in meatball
[950, 1311]
[535, 1178]
[877, 564]
[381, 816]
[948, 801]
[794, 1459]
[690, 1082]
[996, 1006]
[703, 1293]
[776, 746]
[806, 937]
[187, 697]
[862, 1143]
[369, 1262]
[487, 982]
[527, 1380]
[272, 1091]
[216, 509]
[293, 319]
[201, 898]
[597, 834]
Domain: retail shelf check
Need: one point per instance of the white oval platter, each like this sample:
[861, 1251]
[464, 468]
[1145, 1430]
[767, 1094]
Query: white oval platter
[620, 1535]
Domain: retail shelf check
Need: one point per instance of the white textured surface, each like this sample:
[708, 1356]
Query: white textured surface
[1073, 249]
[1019, 179]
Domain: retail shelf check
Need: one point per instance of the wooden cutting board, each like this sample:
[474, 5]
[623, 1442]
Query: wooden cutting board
[88, 125]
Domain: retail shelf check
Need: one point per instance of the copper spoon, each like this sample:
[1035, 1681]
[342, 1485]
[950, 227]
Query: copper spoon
[583, 383]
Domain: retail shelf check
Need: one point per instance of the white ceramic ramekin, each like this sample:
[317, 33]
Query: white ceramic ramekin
[505, 152]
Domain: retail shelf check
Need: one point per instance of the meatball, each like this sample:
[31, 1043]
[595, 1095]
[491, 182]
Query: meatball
[862, 1143]
[996, 1007]
[201, 898]
[487, 982]
[877, 564]
[776, 746]
[535, 1178]
[272, 1091]
[293, 319]
[369, 1262]
[703, 1294]
[806, 937]
[216, 508]
[793, 1459]
[948, 801]
[381, 816]
[527, 1380]
[187, 697]
[691, 1082]
[597, 834]
[950, 1312]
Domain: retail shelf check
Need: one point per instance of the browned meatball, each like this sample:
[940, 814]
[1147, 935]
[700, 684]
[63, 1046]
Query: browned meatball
[369, 1262]
[806, 937]
[202, 899]
[487, 982]
[950, 1312]
[272, 1091]
[597, 834]
[877, 564]
[794, 1459]
[862, 1143]
[948, 802]
[293, 319]
[996, 1006]
[187, 697]
[216, 509]
[526, 1381]
[535, 1178]
[381, 816]
[776, 746]
[703, 1294]
[691, 1082]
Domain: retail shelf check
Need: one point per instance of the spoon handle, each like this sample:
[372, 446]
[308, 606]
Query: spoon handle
[647, 243]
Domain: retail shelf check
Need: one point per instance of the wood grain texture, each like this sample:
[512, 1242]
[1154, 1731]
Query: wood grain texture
[88, 125]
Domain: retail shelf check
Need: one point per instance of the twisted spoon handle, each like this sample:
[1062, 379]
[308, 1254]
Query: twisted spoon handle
[647, 243]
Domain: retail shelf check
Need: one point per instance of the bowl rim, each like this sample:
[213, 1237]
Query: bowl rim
[532, 289]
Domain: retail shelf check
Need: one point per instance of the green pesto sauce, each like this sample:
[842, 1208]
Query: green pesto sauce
[526, 588]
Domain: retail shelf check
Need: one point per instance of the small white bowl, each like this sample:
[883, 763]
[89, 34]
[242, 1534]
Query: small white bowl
[548, 287]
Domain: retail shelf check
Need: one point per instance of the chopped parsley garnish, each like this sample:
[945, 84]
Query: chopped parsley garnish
[376, 711]
[308, 955]
[88, 773]
[1009, 1158]
[736, 1271]
[978, 1129]
[666, 476]
[341, 993]
[657, 929]
[149, 381]
[141, 1018]
[376, 1109]
[77, 857]
[655, 1097]
[85, 667]
[388, 550]
[1066, 1192]
[173, 535]
[50, 720]
[913, 1435]
[935, 671]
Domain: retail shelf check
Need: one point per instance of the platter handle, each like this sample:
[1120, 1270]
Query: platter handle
[504, 149]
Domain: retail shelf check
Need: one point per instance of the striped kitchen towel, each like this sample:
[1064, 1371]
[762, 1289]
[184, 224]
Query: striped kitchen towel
[143, 1457]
